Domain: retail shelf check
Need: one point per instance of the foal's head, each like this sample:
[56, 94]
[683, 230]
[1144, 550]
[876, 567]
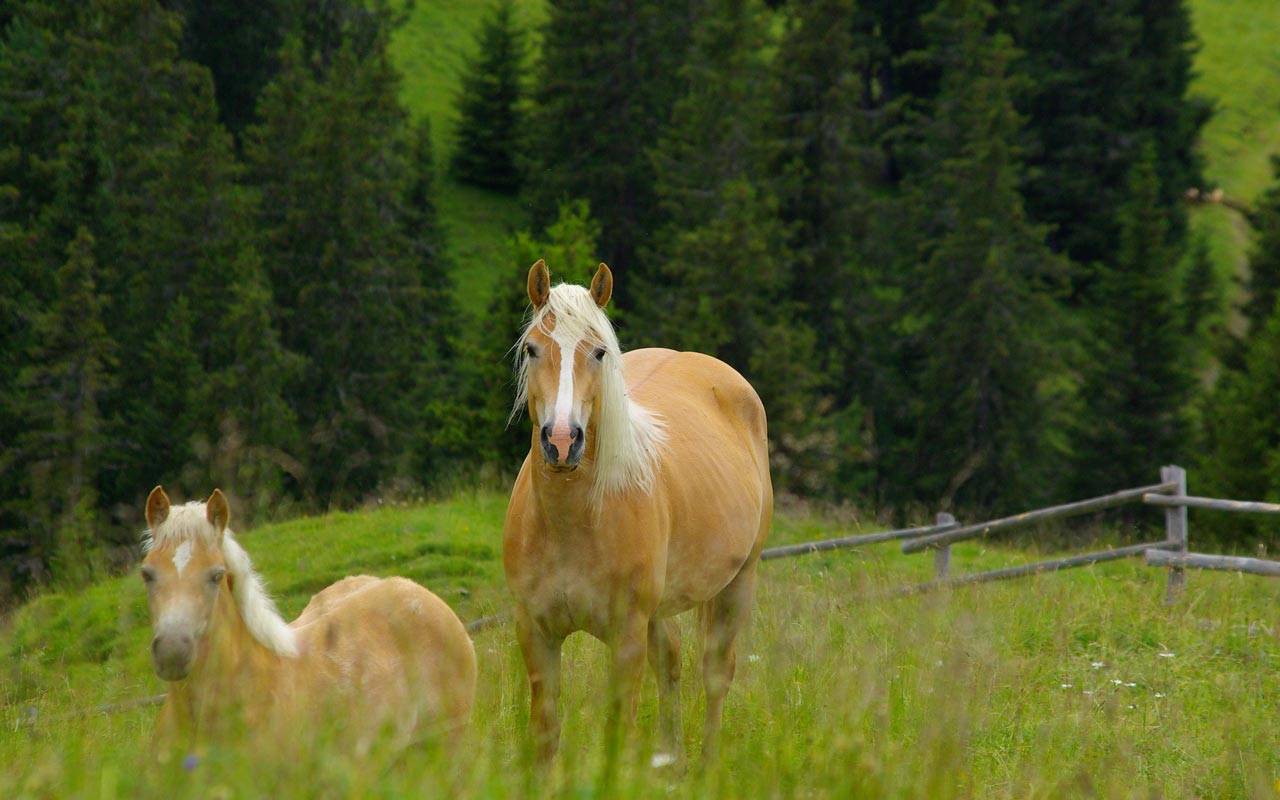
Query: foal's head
[184, 571]
[565, 363]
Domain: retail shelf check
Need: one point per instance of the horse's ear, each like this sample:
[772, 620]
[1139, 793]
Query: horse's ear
[539, 284]
[157, 507]
[217, 511]
[602, 285]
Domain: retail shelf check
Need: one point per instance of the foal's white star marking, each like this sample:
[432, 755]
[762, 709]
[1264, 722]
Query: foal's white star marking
[181, 556]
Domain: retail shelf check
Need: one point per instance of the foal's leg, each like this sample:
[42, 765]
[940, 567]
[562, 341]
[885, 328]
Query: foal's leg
[724, 617]
[542, 661]
[664, 657]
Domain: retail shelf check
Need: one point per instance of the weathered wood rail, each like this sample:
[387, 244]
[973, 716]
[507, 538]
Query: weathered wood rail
[1171, 553]
[805, 548]
[1039, 515]
[1253, 566]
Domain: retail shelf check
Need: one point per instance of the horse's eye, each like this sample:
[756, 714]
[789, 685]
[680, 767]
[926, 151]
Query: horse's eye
[598, 354]
[216, 575]
[530, 351]
[148, 575]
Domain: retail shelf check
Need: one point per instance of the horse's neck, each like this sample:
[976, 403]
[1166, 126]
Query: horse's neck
[232, 667]
[565, 501]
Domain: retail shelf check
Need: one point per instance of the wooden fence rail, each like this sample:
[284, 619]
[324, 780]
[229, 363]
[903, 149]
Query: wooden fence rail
[804, 548]
[1210, 502]
[1039, 515]
[1253, 566]
[1052, 565]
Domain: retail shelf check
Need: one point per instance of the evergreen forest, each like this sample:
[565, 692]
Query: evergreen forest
[947, 240]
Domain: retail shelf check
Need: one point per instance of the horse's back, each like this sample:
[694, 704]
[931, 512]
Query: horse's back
[396, 640]
[666, 380]
[703, 402]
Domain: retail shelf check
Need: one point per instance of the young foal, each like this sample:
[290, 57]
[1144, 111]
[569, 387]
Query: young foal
[646, 492]
[369, 656]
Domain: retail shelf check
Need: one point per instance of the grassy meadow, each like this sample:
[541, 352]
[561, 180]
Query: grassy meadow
[1238, 69]
[1077, 684]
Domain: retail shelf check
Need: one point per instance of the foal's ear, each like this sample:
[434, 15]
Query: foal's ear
[602, 285]
[157, 507]
[217, 511]
[539, 284]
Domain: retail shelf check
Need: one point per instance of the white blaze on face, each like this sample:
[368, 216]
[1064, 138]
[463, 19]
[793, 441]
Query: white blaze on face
[181, 556]
[564, 396]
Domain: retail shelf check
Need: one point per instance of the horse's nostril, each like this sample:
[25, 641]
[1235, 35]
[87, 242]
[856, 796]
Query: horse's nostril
[575, 433]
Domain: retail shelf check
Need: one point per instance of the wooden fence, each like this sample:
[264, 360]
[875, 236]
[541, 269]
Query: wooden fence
[1171, 552]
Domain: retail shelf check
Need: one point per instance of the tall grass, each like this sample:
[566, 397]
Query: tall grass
[1074, 684]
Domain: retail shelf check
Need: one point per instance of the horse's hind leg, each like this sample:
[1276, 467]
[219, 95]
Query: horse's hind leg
[664, 657]
[724, 616]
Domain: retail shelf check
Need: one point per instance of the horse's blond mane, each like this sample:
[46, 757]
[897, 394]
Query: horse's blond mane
[629, 437]
[189, 522]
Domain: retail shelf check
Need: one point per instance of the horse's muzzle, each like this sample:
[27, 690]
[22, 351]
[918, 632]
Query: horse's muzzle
[562, 444]
[173, 654]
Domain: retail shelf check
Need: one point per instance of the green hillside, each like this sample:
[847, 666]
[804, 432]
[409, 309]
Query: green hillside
[1074, 684]
[431, 50]
[1239, 69]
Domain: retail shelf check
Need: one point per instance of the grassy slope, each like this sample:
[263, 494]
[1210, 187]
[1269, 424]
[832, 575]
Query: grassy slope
[991, 691]
[1239, 68]
[432, 49]
[1019, 689]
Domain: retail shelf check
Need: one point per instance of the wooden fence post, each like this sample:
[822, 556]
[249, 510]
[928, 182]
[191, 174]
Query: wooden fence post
[1175, 529]
[942, 555]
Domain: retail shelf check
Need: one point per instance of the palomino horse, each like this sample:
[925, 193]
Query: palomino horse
[646, 492]
[373, 657]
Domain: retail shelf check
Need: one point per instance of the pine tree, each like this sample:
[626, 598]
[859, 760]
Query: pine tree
[607, 80]
[343, 269]
[1139, 382]
[237, 40]
[828, 161]
[489, 115]
[62, 443]
[719, 268]
[1239, 456]
[834, 111]
[1202, 304]
[111, 132]
[1264, 259]
[1105, 79]
[981, 430]
[720, 261]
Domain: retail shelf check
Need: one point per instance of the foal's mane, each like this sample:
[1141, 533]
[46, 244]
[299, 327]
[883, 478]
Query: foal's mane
[189, 523]
[629, 437]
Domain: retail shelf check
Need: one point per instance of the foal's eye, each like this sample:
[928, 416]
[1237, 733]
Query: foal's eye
[216, 576]
[598, 354]
[148, 575]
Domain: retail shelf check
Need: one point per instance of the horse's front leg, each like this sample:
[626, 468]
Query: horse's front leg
[541, 652]
[629, 647]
